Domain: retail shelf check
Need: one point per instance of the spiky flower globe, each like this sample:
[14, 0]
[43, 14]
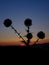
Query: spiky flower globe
[28, 22]
[7, 22]
[41, 35]
[29, 36]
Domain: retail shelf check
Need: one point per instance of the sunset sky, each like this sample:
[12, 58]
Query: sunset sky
[18, 11]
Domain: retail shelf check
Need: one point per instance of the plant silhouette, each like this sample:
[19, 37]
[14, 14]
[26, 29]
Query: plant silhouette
[27, 23]
[40, 35]
[7, 22]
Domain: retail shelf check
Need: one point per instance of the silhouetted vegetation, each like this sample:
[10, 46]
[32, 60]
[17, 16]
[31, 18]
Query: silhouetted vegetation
[41, 35]
[29, 36]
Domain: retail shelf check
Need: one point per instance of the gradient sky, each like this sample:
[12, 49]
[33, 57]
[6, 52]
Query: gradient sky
[18, 11]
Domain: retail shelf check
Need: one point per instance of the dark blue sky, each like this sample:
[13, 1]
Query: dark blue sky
[19, 10]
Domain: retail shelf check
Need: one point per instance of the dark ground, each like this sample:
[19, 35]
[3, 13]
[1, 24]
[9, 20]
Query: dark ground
[40, 47]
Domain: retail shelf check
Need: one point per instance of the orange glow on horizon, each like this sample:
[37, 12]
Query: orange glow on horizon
[22, 44]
